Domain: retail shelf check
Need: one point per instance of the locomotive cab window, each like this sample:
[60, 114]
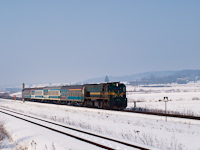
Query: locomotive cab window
[124, 89]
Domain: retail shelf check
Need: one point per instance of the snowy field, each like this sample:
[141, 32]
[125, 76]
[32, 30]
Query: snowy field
[144, 129]
[18, 94]
[183, 98]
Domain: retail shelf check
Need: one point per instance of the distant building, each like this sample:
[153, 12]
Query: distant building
[106, 79]
[181, 81]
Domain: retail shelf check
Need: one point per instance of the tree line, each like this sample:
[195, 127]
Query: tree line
[181, 77]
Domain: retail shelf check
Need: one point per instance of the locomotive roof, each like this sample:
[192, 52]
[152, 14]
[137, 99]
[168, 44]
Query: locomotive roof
[57, 87]
[104, 83]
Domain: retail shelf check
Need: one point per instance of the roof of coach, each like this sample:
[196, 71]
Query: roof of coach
[39, 88]
[72, 87]
[52, 87]
[26, 89]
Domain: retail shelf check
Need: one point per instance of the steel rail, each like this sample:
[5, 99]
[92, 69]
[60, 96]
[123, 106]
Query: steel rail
[141, 112]
[99, 136]
[163, 114]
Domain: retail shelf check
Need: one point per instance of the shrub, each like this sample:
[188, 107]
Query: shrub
[3, 132]
[195, 98]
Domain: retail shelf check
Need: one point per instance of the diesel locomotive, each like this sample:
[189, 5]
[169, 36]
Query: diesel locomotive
[110, 95]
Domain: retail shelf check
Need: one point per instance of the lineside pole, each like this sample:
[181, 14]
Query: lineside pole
[23, 86]
[166, 111]
[166, 100]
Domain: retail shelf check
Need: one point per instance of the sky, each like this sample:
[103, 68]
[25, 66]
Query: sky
[70, 41]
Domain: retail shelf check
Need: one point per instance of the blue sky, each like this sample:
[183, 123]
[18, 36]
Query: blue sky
[70, 41]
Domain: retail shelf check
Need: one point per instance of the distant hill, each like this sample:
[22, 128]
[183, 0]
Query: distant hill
[157, 77]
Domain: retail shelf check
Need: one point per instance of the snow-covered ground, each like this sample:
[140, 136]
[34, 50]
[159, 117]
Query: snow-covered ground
[27, 135]
[143, 129]
[18, 94]
[183, 98]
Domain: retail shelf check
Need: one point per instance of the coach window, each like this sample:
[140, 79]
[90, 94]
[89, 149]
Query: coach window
[32, 92]
[45, 92]
[61, 93]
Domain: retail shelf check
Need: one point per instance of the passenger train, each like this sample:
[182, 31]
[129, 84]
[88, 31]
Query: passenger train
[111, 95]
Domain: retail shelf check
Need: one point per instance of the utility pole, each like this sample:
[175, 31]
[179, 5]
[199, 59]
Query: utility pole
[23, 86]
[166, 100]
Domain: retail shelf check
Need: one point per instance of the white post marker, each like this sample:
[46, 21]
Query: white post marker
[166, 100]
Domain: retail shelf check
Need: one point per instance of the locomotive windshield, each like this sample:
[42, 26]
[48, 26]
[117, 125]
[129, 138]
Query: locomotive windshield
[121, 88]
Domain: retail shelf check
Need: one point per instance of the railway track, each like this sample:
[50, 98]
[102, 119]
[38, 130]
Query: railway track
[153, 113]
[162, 114]
[147, 113]
[75, 133]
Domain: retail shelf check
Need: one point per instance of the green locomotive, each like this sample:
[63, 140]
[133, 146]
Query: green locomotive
[106, 95]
